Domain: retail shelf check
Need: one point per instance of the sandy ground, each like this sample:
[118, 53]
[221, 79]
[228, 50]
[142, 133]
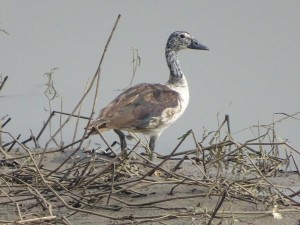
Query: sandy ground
[150, 202]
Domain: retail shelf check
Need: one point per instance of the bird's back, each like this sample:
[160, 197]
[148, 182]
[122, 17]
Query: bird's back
[145, 108]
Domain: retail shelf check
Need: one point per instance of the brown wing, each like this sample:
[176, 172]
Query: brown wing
[137, 107]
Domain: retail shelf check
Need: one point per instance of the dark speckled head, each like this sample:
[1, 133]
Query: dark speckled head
[180, 40]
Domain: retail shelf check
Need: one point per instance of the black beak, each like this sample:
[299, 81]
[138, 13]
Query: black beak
[197, 45]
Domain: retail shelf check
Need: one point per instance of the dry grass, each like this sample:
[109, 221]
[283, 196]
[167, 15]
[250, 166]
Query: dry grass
[110, 186]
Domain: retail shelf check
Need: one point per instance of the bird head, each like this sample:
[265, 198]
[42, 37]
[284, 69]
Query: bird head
[179, 40]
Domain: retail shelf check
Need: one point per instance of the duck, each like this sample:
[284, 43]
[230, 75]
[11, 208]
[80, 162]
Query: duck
[150, 108]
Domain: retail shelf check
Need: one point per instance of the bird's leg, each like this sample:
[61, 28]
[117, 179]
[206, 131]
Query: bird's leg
[152, 146]
[122, 140]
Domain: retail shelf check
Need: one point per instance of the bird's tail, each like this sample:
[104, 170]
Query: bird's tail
[95, 128]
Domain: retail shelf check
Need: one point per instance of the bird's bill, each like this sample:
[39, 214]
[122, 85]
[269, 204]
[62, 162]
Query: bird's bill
[195, 44]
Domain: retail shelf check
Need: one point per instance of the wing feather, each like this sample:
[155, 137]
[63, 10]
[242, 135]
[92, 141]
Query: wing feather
[139, 107]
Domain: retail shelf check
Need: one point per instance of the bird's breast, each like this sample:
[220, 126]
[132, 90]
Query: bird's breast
[183, 100]
[170, 115]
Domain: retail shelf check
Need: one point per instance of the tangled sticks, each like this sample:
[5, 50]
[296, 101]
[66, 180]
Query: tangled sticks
[195, 185]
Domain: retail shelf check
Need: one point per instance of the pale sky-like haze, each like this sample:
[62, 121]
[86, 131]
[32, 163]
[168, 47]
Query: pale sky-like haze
[251, 71]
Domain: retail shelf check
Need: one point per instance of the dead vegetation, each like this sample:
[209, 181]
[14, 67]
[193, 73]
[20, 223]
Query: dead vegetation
[220, 180]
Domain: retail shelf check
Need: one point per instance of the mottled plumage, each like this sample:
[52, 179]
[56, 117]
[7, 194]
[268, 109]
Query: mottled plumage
[150, 108]
[139, 109]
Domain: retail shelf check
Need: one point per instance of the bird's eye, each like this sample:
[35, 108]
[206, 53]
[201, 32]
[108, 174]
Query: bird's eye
[182, 36]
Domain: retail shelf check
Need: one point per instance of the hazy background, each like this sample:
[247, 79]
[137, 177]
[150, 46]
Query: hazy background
[251, 71]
